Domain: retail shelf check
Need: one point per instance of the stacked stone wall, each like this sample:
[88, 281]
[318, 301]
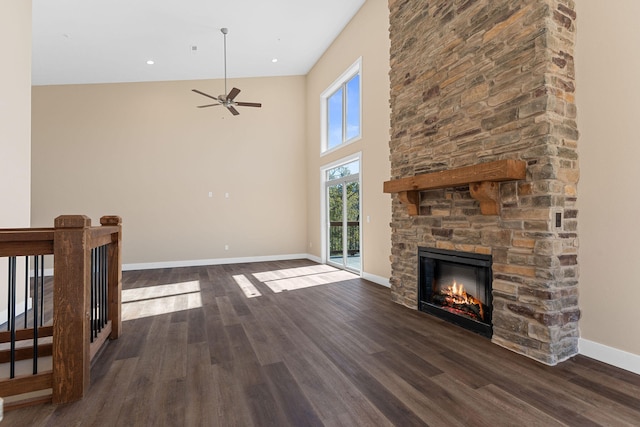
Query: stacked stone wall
[474, 81]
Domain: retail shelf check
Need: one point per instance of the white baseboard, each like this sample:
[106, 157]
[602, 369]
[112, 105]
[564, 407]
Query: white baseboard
[313, 258]
[383, 281]
[612, 356]
[216, 261]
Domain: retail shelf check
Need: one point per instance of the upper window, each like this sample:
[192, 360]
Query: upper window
[341, 107]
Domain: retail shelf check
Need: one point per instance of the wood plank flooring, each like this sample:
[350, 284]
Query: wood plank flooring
[335, 354]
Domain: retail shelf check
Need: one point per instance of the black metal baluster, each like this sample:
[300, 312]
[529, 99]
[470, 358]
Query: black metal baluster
[99, 289]
[41, 290]
[8, 293]
[97, 295]
[96, 287]
[12, 315]
[105, 284]
[97, 306]
[35, 313]
[27, 282]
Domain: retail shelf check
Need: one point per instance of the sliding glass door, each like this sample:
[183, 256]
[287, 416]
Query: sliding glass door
[343, 216]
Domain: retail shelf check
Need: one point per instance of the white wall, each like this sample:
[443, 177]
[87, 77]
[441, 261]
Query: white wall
[15, 127]
[145, 152]
[608, 92]
[365, 36]
[15, 112]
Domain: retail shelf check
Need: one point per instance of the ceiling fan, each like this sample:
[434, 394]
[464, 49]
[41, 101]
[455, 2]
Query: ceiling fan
[227, 100]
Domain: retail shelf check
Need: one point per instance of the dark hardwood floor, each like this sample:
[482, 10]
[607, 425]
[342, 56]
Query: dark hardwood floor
[196, 351]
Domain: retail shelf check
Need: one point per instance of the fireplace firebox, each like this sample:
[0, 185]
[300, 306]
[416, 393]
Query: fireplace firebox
[456, 286]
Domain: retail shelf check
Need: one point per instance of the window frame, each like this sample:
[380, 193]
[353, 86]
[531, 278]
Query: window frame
[340, 82]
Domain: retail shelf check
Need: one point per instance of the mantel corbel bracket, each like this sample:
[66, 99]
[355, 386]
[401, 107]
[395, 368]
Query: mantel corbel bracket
[483, 180]
[411, 199]
[488, 194]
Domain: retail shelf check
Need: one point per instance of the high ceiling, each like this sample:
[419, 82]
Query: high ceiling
[106, 41]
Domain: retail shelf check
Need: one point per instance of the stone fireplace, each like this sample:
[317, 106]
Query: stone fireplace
[475, 82]
[456, 286]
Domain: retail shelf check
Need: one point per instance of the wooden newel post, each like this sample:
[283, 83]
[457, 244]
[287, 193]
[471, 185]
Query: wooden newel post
[71, 299]
[115, 275]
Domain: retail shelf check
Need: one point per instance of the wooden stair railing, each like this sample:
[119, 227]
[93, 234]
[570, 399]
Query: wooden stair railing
[75, 338]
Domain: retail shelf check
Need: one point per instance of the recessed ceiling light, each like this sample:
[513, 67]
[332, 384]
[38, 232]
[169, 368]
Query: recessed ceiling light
[274, 60]
[150, 62]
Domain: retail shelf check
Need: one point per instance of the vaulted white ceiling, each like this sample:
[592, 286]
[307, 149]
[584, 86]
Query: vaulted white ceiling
[106, 41]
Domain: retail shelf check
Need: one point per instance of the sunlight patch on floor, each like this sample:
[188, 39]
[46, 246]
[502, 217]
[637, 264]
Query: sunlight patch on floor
[246, 286]
[293, 272]
[162, 299]
[308, 280]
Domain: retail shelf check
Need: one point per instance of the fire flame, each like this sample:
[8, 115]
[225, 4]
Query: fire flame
[456, 294]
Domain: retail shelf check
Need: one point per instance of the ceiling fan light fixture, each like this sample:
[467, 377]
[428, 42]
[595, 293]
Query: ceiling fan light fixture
[227, 100]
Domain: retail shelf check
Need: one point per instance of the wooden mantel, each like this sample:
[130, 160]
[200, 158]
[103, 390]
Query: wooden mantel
[482, 178]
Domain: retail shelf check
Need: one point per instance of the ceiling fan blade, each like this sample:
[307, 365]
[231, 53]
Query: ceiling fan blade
[234, 92]
[204, 94]
[208, 105]
[233, 110]
[249, 104]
